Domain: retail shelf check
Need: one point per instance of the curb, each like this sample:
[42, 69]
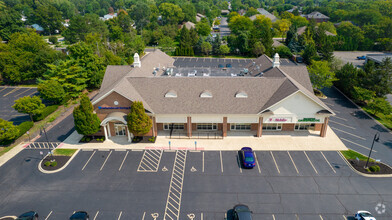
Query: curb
[389, 131]
[62, 168]
[364, 174]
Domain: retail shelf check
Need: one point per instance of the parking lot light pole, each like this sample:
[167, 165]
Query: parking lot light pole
[376, 138]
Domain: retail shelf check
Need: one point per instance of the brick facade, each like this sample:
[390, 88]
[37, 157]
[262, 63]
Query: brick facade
[288, 127]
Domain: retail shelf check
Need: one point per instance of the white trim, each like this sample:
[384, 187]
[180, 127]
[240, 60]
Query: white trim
[260, 113]
[108, 119]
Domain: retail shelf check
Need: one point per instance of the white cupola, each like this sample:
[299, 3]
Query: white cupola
[276, 61]
[136, 60]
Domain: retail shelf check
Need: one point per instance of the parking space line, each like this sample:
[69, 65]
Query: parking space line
[119, 216]
[119, 169]
[344, 217]
[359, 145]
[16, 89]
[203, 163]
[32, 93]
[3, 89]
[47, 217]
[342, 124]
[339, 118]
[88, 160]
[220, 153]
[275, 161]
[321, 217]
[257, 162]
[273, 216]
[296, 216]
[144, 215]
[310, 162]
[239, 163]
[328, 104]
[349, 133]
[96, 215]
[292, 161]
[23, 92]
[328, 162]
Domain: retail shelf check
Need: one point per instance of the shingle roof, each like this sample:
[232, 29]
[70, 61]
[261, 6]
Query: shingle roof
[315, 15]
[301, 30]
[264, 12]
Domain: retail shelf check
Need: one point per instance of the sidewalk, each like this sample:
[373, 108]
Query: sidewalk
[271, 141]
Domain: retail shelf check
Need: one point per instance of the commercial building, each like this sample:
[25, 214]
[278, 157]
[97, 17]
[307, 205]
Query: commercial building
[266, 95]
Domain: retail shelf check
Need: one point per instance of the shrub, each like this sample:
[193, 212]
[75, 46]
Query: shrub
[152, 139]
[45, 112]
[53, 39]
[24, 127]
[53, 164]
[47, 163]
[374, 168]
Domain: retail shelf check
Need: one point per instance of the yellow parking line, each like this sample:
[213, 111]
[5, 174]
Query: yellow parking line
[23, 92]
[3, 89]
[16, 89]
[32, 93]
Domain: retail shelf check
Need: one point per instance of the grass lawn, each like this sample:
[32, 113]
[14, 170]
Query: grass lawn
[387, 122]
[4, 150]
[350, 154]
[64, 152]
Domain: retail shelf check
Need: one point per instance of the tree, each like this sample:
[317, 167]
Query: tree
[310, 53]
[362, 95]
[282, 26]
[258, 49]
[8, 131]
[299, 21]
[206, 48]
[224, 50]
[140, 13]
[53, 39]
[80, 26]
[86, 121]
[49, 18]
[29, 105]
[380, 105]
[348, 78]
[283, 51]
[240, 24]
[171, 13]
[251, 11]
[320, 74]
[10, 23]
[139, 122]
[185, 38]
[52, 90]
[203, 28]
[166, 44]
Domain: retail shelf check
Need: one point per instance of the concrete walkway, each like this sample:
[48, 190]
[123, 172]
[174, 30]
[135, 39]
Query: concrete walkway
[275, 141]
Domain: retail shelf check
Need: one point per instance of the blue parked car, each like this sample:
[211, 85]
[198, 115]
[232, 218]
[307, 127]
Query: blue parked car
[248, 158]
[221, 66]
[361, 57]
[28, 216]
[228, 65]
[80, 215]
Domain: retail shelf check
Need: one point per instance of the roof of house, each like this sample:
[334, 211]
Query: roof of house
[263, 91]
[37, 27]
[301, 30]
[316, 15]
[189, 25]
[264, 12]
[378, 58]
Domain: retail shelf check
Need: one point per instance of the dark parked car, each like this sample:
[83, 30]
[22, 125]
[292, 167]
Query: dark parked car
[248, 158]
[299, 59]
[220, 66]
[80, 215]
[242, 212]
[228, 65]
[361, 57]
[28, 216]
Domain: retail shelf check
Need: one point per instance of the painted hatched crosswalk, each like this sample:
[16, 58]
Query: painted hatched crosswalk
[150, 161]
[43, 145]
[173, 203]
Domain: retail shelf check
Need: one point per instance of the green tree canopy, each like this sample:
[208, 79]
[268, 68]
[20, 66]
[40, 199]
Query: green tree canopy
[86, 121]
[206, 47]
[49, 18]
[52, 90]
[258, 49]
[80, 26]
[171, 13]
[321, 75]
[380, 105]
[139, 122]
[203, 28]
[224, 50]
[29, 105]
[8, 131]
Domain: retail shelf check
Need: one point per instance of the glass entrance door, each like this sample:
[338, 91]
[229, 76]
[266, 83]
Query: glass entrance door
[120, 129]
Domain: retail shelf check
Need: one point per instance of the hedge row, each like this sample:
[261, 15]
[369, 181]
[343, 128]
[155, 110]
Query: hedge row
[23, 128]
[47, 111]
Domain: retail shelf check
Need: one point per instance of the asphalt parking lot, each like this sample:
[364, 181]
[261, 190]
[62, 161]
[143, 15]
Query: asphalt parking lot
[355, 129]
[156, 184]
[209, 62]
[351, 56]
[8, 95]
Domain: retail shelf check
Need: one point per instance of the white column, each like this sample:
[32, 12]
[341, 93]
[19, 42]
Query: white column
[129, 136]
[110, 135]
[106, 132]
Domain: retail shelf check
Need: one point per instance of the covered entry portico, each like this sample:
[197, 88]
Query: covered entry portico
[115, 124]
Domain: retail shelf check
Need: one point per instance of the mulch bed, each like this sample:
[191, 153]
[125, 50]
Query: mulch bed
[359, 166]
[61, 161]
[142, 139]
[92, 140]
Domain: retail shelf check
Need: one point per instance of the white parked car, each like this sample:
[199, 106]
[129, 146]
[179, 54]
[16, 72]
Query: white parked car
[364, 215]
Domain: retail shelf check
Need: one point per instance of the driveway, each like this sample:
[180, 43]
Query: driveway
[157, 184]
[356, 129]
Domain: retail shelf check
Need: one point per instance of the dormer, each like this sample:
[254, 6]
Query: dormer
[206, 94]
[171, 94]
[241, 94]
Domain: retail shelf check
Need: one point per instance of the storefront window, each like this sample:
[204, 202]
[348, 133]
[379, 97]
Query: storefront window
[176, 126]
[240, 127]
[302, 127]
[272, 127]
[207, 126]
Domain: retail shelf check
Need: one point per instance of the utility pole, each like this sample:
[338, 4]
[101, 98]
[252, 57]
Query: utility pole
[375, 139]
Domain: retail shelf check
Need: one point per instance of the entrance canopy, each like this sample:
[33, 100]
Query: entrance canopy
[115, 116]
